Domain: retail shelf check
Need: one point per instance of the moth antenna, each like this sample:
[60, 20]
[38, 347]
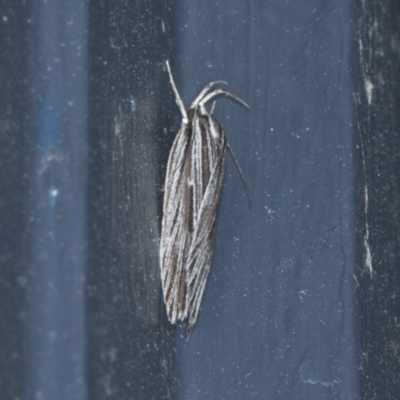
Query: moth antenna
[178, 100]
[221, 91]
[212, 107]
[246, 186]
[204, 91]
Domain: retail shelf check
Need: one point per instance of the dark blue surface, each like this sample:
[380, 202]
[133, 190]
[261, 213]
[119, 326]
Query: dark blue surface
[278, 317]
[303, 296]
[58, 100]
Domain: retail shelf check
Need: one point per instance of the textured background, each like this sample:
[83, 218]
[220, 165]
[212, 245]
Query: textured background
[303, 296]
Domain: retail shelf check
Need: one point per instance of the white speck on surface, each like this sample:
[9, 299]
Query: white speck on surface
[54, 192]
[312, 373]
[132, 103]
[369, 87]
[368, 257]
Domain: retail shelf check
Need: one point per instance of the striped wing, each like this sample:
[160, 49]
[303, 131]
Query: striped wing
[193, 187]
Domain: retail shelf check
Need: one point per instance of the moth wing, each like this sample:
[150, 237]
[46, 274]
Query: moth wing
[175, 240]
[201, 248]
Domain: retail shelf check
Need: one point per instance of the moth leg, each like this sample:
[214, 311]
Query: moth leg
[221, 91]
[246, 186]
[177, 97]
[212, 107]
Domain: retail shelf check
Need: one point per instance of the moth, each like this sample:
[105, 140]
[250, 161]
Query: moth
[192, 191]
